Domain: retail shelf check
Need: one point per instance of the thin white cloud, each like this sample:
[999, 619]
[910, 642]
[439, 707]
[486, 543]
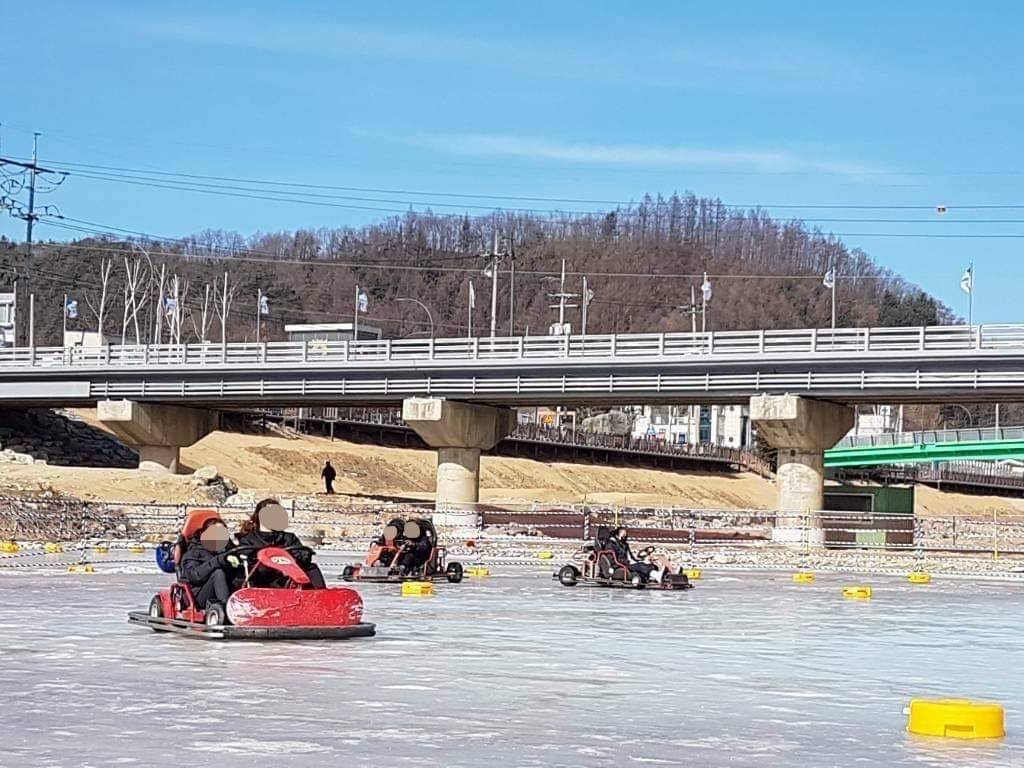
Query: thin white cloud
[762, 161]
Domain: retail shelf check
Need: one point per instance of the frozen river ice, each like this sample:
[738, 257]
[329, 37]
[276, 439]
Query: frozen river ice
[515, 670]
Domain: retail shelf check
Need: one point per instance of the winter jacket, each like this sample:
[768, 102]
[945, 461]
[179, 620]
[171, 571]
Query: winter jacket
[198, 563]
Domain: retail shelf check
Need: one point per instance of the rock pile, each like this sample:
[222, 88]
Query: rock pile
[40, 436]
[212, 486]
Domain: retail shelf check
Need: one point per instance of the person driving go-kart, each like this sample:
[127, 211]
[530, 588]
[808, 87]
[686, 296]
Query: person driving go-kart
[618, 543]
[208, 565]
[417, 548]
[267, 528]
[385, 547]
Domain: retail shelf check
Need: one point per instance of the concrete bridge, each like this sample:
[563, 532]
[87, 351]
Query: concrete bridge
[455, 392]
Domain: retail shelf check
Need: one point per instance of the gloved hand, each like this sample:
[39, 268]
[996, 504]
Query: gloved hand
[233, 560]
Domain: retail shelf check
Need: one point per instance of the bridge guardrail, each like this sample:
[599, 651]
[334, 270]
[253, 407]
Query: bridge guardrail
[796, 342]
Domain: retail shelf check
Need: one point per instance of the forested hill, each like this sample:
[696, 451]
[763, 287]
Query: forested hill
[641, 263]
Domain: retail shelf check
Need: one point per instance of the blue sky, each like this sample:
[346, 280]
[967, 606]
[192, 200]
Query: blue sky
[774, 104]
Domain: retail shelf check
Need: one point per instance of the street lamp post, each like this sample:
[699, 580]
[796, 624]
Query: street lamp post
[430, 317]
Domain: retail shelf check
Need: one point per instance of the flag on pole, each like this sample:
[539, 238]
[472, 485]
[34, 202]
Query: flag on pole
[830, 278]
[363, 301]
[472, 296]
[264, 306]
[967, 281]
[705, 288]
[71, 309]
[170, 305]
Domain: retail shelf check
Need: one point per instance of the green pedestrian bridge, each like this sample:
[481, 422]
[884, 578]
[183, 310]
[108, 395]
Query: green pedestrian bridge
[986, 444]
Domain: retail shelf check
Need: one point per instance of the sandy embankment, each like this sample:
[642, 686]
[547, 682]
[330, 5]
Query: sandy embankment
[270, 464]
[279, 465]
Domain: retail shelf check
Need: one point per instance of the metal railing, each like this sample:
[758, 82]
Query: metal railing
[530, 527]
[797, 343]
[933, 436]
[563, 437]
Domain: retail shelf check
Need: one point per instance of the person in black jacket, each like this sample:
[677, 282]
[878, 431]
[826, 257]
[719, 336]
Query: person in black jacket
[266, 528]
[208, 564]
[328, 474]
[417, 547]
[618, 543]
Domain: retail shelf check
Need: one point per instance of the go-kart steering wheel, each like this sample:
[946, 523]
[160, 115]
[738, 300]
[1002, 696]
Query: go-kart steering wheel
[645, 553]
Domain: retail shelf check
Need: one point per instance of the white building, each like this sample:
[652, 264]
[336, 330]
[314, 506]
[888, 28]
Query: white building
[8, 306]
[726, 425]
[331, 332]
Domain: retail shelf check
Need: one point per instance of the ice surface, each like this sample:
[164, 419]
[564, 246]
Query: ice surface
[515, 670]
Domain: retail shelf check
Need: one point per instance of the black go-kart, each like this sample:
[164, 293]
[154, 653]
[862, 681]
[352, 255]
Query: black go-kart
[598, 565]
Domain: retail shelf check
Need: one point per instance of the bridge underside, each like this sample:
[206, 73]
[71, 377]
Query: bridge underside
[656, 382]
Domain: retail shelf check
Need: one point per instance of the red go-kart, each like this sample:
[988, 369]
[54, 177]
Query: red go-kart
[294, 611]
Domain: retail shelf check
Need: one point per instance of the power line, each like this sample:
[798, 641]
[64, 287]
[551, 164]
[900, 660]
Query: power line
[547, 199]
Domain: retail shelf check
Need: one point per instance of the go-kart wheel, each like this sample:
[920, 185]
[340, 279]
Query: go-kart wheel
[454, 572]
[348, 573]
[156, 610]
[215, 615]
[568, 576]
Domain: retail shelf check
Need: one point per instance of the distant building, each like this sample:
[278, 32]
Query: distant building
[331, 332]
[88, 339]
[725, 425]
[8, 311]
[877, 420]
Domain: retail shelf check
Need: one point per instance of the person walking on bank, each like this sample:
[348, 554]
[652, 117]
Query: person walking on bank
[328, 474]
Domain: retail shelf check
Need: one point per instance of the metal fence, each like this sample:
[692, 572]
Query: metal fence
[561, 436]
[993, 535]
[934, 436]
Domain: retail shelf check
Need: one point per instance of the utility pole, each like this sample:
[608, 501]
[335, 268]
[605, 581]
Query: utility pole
[28, 213]
[31, 218]
[259, 311]
[588, 296]
[495, 261]
[561, 306]
[511, 288]
[834, 281]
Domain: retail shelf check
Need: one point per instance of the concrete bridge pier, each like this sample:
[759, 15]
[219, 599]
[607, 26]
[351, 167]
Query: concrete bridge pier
[459, 432]
[157, 432]
[800, 429]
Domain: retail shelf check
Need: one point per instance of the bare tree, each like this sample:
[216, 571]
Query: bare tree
[99, 306]
[138, 274]
[202, 329]
[224, 296]
[158, 324]
[176, 307]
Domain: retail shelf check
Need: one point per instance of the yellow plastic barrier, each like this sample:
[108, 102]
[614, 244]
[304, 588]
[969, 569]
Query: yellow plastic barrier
[803, 577]
[81, 568]
[9, 546]
[857, 593]
[137, 550]
[101, 550]
[545, 555]
[417, 589]
[920, 577]
[956, 719]
[52, 548]
[478, 570]
[692, 573]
